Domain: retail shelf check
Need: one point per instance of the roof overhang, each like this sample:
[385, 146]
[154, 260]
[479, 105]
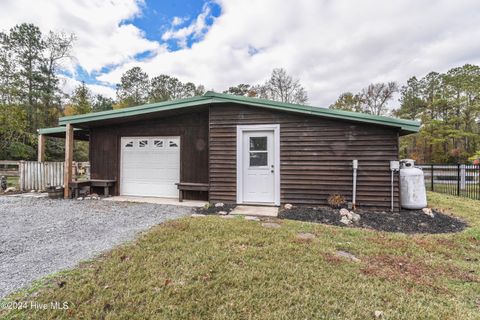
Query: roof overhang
[404, 126]
[59, 132]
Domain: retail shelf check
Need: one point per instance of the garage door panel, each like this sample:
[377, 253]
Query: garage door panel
[150, 166]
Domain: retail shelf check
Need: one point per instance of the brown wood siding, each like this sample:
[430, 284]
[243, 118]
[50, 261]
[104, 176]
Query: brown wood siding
[315, 154]
[192, 129]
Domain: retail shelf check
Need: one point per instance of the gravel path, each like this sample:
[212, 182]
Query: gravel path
[42, 236]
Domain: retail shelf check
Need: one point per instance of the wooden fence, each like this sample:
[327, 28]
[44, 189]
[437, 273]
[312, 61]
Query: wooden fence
[38, 176]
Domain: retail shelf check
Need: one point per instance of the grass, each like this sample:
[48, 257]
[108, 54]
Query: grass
[12, 182]
[214, 268]
[471, 191]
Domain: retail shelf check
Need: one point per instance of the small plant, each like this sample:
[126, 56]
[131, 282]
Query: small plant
[336, 201]
[208, 205]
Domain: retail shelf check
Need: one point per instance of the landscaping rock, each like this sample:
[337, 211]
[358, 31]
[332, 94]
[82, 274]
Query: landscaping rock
[222, 213]
[345, 220]
[80, 198]
[197, 215]
[271, 225]
[252, 218]
[10, 189]
[344, 212]
[219, 204]
[305, 236]
[347, 255]
[378, 314]
[428, 212]
[288, 206]
[355, 217]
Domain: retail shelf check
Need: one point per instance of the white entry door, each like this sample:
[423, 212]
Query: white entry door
[258, 166]
[150, 166]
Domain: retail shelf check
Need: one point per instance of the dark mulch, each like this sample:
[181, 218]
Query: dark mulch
[406, 221]
[211, 209]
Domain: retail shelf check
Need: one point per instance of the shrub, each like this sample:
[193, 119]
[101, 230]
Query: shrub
[336, 201]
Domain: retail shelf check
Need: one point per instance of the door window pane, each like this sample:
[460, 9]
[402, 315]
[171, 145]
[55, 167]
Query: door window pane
[258, 159]
[258, 143]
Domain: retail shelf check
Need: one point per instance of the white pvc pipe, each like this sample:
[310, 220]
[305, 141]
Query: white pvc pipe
[354, 192]
[391, 192]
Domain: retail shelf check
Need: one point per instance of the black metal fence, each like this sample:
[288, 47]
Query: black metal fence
[461, 180]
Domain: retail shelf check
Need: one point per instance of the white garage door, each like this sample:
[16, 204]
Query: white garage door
[150, 166]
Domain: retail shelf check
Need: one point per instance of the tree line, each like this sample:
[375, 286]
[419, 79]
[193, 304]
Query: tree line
[447, 105]
[32, 65]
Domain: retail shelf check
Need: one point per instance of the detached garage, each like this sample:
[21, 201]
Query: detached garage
[233, 149]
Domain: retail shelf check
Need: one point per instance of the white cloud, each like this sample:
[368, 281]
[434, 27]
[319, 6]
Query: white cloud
[176, 21]
[69, 84]
[332, 46]
[196, 29]
[103, 39]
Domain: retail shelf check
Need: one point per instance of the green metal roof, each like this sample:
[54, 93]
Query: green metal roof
[47, 131]
[405, 126]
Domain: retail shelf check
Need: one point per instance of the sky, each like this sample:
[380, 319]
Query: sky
[331, 46]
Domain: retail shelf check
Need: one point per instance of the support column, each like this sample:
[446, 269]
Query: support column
[67, 175]
[41, 148]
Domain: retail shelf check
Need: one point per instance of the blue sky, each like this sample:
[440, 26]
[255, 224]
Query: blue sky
[156, 18]
[330, 46]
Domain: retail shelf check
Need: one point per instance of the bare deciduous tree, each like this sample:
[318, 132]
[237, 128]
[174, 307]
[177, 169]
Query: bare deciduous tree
[375, 97]
[282, 87]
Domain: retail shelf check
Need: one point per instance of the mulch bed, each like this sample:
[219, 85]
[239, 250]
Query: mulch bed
[406, 221]
[215, 210]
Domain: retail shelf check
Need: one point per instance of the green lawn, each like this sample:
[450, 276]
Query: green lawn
[214, 268]
[12, 182]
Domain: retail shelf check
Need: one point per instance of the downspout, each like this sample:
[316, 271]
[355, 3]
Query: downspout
[354, 192]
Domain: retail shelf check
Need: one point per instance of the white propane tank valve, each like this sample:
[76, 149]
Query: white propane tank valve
[412, 186]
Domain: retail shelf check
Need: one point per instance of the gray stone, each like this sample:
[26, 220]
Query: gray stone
[223, 213]
[252, 218]
[10, 189]
[219, 205]
[80, 198]
[305, 236]
[288, 206]
[345, 220]
[271, 225]
[347, 255]
[378, 314]
[355, 217]
[428, 212]
[344, 212]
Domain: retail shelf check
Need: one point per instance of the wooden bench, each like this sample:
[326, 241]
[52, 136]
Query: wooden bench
[190, 186]
[77, 185]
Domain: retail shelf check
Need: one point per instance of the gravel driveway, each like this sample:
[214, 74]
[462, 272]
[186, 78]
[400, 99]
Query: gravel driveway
[42, 236]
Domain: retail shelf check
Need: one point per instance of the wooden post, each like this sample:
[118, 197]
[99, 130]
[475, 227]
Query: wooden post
[41, 148]
[67, 175]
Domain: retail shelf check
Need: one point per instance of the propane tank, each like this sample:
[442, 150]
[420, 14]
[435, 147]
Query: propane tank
[412, 186]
